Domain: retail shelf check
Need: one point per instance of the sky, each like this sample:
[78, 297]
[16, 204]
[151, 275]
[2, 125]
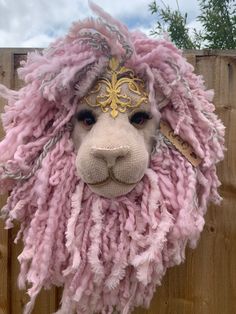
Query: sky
[36, 23]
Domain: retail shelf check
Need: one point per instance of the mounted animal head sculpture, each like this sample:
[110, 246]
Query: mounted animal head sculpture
[109, 158]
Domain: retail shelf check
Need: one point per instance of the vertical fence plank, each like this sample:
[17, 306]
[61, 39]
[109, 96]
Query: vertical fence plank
[225, 216]
[6, 79]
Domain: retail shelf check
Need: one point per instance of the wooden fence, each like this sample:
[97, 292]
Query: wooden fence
[206, 282]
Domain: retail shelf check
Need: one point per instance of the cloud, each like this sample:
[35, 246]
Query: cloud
[25, 23]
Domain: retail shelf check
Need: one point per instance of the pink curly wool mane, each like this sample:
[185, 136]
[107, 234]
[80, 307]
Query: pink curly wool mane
[108, 254]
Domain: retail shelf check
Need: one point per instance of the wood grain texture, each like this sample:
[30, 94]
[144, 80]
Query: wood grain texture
[206, 282]
[6, 71]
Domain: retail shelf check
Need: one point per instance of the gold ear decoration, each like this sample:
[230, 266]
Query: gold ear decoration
[110, 93]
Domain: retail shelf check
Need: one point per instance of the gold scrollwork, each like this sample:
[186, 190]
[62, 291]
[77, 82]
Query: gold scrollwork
[110, 94]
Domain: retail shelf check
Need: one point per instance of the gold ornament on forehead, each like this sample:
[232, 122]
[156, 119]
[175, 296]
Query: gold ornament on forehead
[118, 91]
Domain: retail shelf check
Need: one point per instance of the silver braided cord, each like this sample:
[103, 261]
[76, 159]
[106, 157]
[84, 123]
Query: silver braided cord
[98, 42]
[128, 50]
[160, 142]
[46, 148]
[179, 78]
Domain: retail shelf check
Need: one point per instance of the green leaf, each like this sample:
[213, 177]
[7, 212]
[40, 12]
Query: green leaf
[218, 20]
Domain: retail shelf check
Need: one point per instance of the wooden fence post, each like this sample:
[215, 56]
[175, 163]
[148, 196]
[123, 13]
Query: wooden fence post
[6, 79]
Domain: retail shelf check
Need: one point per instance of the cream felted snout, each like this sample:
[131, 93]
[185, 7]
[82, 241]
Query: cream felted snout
[110, 154]
[113, 156]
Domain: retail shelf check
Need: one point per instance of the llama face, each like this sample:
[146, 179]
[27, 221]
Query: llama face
[113, 154]
[113, 135]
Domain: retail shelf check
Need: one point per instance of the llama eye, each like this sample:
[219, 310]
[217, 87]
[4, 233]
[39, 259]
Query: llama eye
[138, 119]
[87, 118]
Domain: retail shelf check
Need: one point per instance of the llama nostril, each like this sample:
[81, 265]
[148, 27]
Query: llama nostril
[110, 154]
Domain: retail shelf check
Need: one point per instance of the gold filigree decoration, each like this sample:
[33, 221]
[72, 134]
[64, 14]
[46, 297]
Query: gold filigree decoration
[111, 93]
